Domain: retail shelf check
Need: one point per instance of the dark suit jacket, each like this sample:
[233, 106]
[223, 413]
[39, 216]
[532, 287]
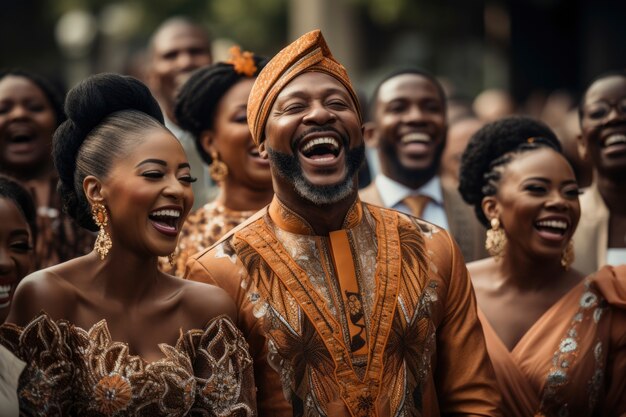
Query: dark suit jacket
[464, 227]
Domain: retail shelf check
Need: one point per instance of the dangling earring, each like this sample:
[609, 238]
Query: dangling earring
[218, 170]
[496, 240]
[103, 241]
[568, 255]
[170, 259]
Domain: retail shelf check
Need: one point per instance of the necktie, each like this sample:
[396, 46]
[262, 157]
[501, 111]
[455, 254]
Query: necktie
[416, 203]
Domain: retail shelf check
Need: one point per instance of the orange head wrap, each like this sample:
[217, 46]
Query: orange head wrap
[309, 53]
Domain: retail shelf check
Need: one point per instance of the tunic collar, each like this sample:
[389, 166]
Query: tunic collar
[290, 221]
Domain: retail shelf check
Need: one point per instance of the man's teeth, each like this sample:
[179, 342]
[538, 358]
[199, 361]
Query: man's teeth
[5, 289]
[555, 224]
[166, 213]
[321, 141]
[416, 137]
[615, 139]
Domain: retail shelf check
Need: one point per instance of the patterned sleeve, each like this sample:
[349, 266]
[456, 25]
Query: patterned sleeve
[465, 378]
[223, 370]
[45, 385]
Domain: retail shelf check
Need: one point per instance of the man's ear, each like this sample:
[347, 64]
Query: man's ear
[263, 150]
[581, 146]
[490, 207]
[370, 135]
[93, 189]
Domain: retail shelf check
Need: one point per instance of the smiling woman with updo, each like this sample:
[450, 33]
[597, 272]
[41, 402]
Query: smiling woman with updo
[555, 338]
[108, 333]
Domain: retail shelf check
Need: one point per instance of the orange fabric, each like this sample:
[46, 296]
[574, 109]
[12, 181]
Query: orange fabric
[572, 361]
[309, 53]
[417, 203]
[426, 353]
[353, 305]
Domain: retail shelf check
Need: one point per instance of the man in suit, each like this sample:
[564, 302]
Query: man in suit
[177, 48]
[408, 127]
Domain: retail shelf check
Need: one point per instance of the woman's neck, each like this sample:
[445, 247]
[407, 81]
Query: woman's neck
[530, 274]
[125, 275]
[613, 193]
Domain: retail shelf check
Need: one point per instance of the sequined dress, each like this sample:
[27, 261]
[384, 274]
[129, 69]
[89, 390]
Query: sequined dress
[76, 372]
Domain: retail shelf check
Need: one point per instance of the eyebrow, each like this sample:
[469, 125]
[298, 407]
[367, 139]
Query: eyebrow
[305, 94]
[19, 232]
[547, 181]
[162, 163]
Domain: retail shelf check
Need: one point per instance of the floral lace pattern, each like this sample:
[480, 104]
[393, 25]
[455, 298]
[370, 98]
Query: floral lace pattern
[202, 228]
[72, 371]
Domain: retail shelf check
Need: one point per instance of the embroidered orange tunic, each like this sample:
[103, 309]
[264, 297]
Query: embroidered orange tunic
[394, 333]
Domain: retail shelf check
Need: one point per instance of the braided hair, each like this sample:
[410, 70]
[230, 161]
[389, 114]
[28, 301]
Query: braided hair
[493, 147]
[54, 96]
[199, 98]
[11, 190]
[106, 113]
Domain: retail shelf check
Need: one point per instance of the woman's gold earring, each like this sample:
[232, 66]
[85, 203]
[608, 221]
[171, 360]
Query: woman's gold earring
[496, 240]
[170, 259]
[217, 169]
[568, 255]
[103, 241]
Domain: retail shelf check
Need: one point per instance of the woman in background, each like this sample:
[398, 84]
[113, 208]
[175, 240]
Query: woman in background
[18, 232]
[557, 340]
[30, 110]
[212, 106]
[108, 333]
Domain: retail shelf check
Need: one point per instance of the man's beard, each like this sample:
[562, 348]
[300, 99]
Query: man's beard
[288, 167]
[409, 175]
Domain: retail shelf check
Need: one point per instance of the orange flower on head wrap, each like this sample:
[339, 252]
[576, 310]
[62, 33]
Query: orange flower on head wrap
[242, 62]
[309, 53]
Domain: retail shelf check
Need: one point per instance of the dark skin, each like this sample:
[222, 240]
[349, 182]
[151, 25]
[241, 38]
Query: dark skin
[141, 305]
[248, 185]
[409, 129]
[603, 118]
[517, 290]
[176, 50]
[27, 123]
[314, 100]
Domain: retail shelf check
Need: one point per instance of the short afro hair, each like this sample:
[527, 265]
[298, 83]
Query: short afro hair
[494, 146]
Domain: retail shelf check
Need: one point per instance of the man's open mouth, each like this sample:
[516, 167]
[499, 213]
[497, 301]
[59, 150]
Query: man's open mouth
[320, 148]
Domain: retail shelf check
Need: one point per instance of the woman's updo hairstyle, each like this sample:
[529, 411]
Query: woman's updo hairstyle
[54, 96]
[11, 190]
[199, 97]
[494, 146]
[105, 114]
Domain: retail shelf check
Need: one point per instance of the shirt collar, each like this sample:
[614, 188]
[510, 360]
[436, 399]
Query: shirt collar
[288, 220]
[392, 192]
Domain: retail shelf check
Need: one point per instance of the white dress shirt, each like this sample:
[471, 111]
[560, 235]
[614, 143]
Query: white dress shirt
[392, 194]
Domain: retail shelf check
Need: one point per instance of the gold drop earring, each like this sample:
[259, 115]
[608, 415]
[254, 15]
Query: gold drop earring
[496, 240]
[103, 241]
